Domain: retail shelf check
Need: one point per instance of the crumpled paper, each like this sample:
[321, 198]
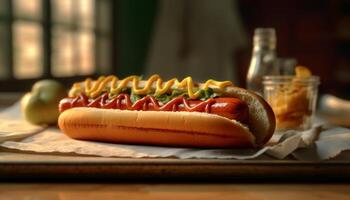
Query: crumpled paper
[13, 126]
[316, 143]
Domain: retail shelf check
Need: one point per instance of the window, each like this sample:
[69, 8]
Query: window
[54, 39]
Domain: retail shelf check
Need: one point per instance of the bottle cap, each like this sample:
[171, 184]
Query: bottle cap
[265, 36]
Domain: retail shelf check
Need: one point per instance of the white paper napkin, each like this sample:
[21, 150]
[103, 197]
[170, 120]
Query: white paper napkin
[51, 140]
[13, 126]
[314, 144]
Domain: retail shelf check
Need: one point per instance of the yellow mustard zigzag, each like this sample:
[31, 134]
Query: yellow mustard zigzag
[94, 88]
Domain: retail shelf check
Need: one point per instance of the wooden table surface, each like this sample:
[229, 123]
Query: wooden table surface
[177, 191]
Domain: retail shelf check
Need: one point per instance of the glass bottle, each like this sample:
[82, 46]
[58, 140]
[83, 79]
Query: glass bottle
[263, 59]
[286, 66]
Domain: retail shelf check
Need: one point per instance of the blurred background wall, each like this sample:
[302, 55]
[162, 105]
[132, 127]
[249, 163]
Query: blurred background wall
[70, 39]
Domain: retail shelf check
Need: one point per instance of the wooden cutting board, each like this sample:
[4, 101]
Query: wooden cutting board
[27, 166]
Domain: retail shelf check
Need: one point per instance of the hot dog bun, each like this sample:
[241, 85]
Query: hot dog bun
[186, 129]
[157, 128]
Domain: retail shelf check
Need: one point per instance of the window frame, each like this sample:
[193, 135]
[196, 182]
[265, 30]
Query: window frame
[11, 84]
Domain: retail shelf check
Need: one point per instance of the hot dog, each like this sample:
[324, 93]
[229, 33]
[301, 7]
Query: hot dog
[212, 114]
[231, 108]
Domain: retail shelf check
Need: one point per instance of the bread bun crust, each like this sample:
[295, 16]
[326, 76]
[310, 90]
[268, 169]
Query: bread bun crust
[262, 122]
[182, 129]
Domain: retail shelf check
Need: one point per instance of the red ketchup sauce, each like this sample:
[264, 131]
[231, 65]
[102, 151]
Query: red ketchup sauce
[228, 107]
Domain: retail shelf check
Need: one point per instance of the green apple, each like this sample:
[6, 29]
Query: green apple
[40, 105]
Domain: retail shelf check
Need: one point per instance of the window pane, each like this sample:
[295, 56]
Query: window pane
[62, 11]
[86, 13]
[27, 8]
[86, 52]
[63, 52]
[27, 49]
[3, 49]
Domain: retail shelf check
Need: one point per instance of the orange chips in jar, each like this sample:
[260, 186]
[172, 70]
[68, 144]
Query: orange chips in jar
[292, 98]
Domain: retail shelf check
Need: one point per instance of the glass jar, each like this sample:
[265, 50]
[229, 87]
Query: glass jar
[292, 99]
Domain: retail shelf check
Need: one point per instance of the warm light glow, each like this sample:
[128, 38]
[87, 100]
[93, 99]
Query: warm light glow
[32, 51]
[27, 8]
[72, 50]
[28, 55]
[86, 12]
[86, 7]
[63, 52]
[86, 40]
[62, 10]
